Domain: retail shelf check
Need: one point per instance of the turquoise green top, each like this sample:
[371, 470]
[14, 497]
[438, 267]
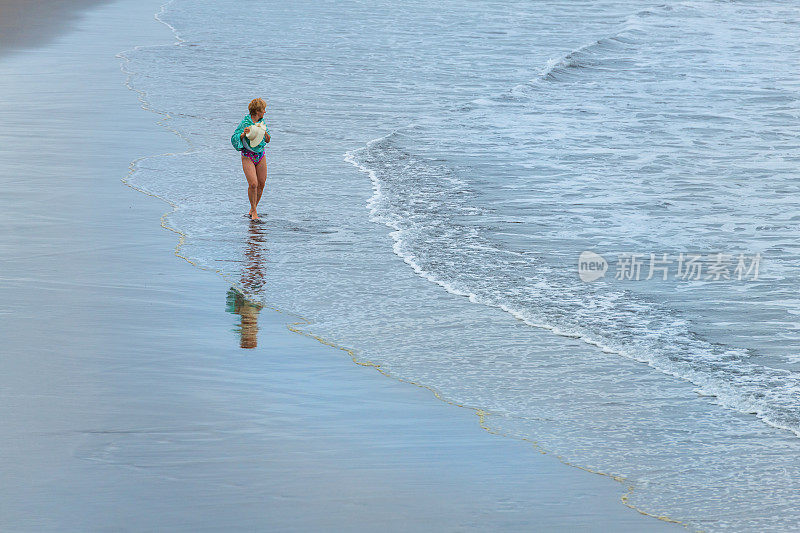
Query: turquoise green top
[236, 139]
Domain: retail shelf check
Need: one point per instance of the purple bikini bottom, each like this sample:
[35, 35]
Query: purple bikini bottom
[254, 157]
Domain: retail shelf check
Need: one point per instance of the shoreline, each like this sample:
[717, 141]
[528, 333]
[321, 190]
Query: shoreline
[139, 396]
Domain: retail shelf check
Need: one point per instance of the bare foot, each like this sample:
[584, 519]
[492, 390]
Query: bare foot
[254, 215]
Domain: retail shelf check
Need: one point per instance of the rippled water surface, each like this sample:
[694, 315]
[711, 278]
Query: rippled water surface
[436, 170]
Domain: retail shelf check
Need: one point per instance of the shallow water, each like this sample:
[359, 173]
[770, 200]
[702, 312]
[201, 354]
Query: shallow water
[435, 173]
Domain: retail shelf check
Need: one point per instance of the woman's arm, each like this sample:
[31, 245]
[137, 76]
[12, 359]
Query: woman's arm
[266, 134]
[236, 138]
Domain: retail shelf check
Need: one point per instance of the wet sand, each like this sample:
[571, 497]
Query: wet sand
[25, 23]
[127, 401]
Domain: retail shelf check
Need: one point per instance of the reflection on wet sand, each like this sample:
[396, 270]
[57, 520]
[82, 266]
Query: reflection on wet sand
[241, 301]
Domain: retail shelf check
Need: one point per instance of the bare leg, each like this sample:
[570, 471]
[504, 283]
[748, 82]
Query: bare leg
[261, 175]
[252, 185]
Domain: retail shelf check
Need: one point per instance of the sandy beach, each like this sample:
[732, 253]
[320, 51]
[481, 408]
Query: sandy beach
[25, 23]
[128, 403]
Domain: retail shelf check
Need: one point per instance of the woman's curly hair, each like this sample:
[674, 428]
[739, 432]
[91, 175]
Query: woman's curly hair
[256, 106]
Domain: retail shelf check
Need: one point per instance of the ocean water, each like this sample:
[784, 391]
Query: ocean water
[437, 169]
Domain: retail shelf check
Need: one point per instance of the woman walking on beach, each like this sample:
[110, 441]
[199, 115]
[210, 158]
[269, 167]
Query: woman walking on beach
[250, 138]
